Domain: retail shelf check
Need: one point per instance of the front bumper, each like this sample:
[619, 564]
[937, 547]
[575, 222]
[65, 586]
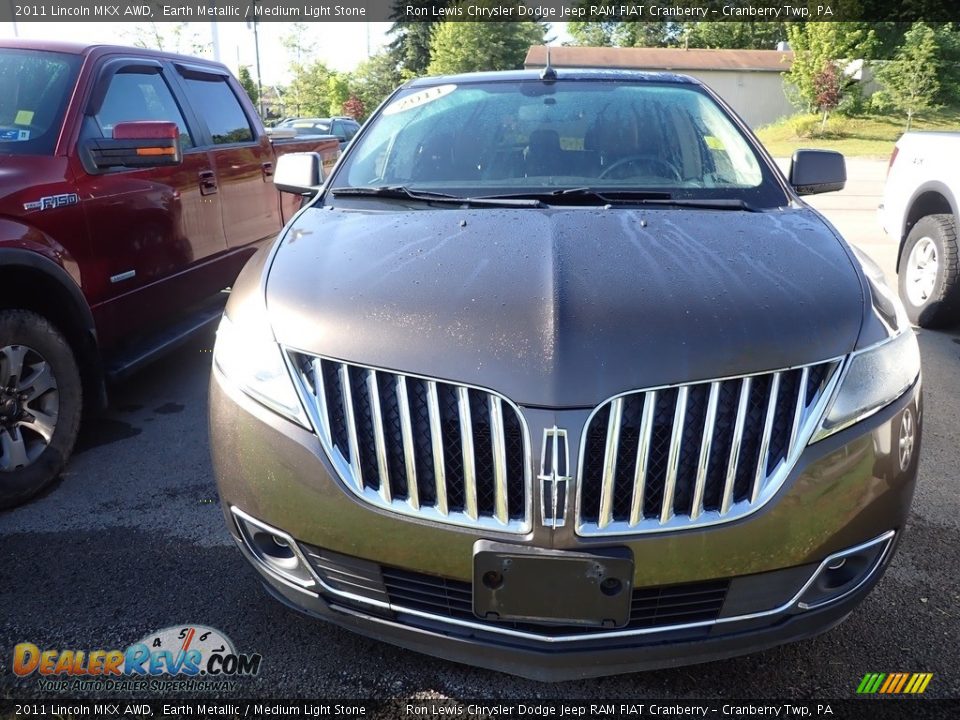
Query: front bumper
[844, 491]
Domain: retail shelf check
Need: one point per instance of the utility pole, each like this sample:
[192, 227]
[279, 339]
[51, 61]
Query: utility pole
[252, 22]
[215, 38]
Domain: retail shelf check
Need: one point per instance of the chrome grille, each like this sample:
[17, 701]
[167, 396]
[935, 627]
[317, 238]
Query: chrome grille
[416, 446]
[696, 454]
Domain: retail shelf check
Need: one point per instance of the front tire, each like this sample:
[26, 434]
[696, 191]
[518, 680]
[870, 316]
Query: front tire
[40, 404]
[929, 274]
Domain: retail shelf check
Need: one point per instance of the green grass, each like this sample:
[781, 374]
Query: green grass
[858, 135]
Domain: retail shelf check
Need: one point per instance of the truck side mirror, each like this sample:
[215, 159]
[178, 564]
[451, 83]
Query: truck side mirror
[299, 173]
[817, 171]
[139, 144]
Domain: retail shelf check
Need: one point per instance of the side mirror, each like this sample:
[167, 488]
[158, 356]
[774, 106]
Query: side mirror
[299, 173]
[817, 171]
[138, 144]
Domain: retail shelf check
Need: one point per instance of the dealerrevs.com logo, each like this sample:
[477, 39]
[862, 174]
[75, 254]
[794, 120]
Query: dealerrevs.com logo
[191, 657]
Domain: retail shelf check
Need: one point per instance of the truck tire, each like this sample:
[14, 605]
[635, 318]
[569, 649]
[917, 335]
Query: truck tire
[40, 404]
[929, 274]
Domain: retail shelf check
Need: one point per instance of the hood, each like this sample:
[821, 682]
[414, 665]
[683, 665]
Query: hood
[565, 307]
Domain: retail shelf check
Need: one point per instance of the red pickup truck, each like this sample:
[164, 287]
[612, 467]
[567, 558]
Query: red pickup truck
[134, 185]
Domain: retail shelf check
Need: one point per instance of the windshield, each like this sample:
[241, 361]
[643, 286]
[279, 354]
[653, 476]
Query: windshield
[499, 137]
[34, 89]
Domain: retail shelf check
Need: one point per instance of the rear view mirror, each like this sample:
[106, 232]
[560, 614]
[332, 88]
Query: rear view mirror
[299, 173]
[817, 171]
[138, 144]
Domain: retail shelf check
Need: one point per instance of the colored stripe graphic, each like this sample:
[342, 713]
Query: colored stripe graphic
[894, 683]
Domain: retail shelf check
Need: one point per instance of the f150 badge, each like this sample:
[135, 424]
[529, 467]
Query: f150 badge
[51, 202]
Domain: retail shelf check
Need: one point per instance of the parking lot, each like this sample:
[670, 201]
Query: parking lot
[133, 540]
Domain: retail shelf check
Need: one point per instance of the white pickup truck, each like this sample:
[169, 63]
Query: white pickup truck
[920, 210]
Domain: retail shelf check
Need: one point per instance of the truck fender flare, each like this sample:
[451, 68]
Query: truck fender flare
[929, 186]
[13, 257]
[91, 368]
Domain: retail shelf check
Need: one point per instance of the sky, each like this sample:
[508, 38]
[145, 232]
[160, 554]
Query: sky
[341, 45]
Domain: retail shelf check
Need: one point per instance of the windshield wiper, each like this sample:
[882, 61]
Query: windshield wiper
[587, 195]
[404, 193]
[705, 203]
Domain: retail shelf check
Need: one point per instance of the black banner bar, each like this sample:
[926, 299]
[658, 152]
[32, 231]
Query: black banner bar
[480, 10]
[874, 708]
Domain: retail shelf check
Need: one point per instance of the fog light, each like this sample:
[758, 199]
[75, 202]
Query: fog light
[274, 550]
[844, 572]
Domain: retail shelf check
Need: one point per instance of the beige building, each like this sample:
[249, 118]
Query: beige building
[750, 81]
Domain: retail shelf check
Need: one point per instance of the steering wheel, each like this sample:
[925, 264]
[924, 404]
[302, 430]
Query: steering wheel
[655, 164]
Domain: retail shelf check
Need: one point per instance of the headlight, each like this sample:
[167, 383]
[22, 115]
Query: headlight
[875, 377]
[249, 357]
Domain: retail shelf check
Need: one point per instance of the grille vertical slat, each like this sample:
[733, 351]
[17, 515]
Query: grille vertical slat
[436, 437]
[335, 413]
[380, 443]
[643, 445]
[735, 446]
[445, 452]
[800, 408]
[673, 459]
[501, 501]
[409, 456]
[764, 459]
[703, 462]
[466, 444]
[320, 393]
[610, 463]
[346, 392]
[699, 453]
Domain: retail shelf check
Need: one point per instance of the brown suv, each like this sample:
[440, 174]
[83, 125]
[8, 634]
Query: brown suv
[558, 375]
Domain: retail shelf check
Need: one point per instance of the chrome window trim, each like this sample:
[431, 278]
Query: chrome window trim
[408, 508]
[737, 510]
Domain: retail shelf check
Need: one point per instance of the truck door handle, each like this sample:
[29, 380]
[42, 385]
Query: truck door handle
[267, 170]
[208, 182]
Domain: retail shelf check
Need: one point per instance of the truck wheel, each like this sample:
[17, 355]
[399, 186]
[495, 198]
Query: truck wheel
[40, 403]
[929, 276]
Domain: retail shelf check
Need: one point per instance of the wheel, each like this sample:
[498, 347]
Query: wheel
[929, 277]
[40, 403]
[655, 165]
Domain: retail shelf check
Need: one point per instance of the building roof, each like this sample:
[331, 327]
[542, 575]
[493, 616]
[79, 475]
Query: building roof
[679, 59]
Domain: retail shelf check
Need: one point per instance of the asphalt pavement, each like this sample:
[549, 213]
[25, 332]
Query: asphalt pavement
[133, 540]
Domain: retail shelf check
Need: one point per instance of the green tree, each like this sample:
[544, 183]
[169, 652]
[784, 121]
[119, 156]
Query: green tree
[300, 98]
[948, 42]
[249, 85]
[308, 91]
[338, 92]
[815, 46]
[738, 35]
[910, 80]
[168, 37]
[457, 47]
[623, 34]
[375, 79]
[298, 44]
[410, 46]
[592, 34]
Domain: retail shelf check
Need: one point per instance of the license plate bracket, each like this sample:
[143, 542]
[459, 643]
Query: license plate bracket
[517, 583]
